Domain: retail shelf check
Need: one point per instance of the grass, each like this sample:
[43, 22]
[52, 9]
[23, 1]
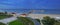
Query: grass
[58, 23]
[26, 21]
[2, 16]
[16, 22]
[22, 21]
[2, 23]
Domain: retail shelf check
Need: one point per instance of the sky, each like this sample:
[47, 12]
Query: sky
[29, 4]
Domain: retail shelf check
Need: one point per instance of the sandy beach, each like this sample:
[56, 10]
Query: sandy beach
[40, 16]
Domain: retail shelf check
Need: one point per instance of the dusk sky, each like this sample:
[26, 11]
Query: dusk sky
[29, 4]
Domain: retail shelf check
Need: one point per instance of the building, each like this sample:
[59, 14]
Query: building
[23, 15]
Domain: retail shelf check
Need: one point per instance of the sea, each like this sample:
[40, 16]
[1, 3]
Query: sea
[34, 11]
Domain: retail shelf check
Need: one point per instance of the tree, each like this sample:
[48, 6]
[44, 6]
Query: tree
[48, 21]
[38, 20]
[5, 12]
